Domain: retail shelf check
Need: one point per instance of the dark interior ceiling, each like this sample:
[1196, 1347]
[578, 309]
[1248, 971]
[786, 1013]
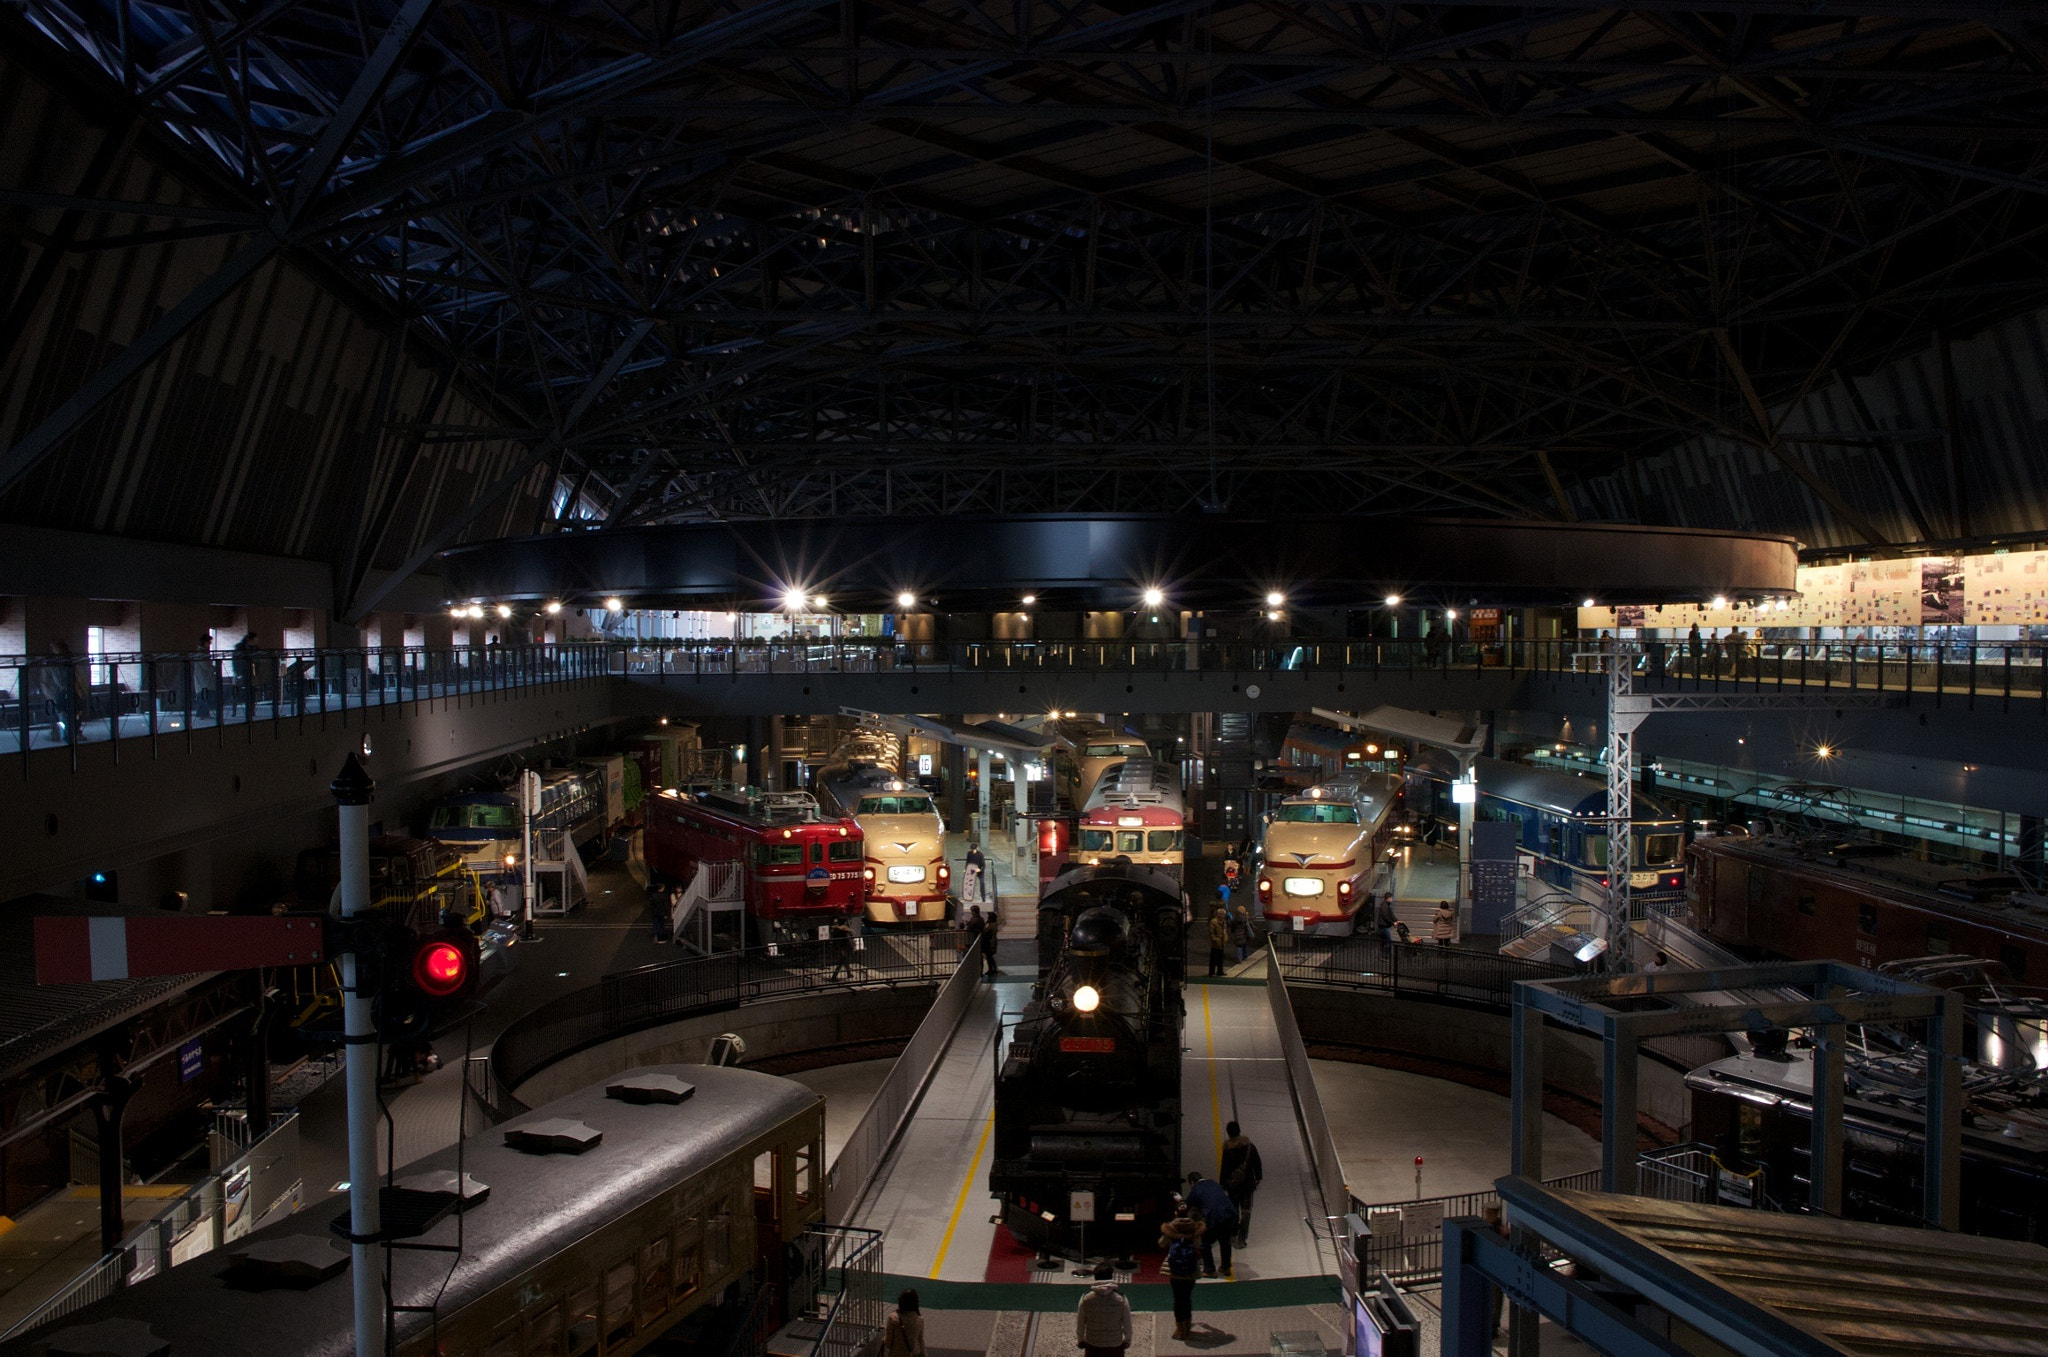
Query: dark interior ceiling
[787, 258]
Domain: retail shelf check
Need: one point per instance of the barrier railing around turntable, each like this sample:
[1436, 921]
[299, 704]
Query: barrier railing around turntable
[670, 991]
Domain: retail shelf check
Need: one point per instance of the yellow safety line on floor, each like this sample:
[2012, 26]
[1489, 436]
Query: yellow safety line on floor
[960, 1204]
[1215, 1103]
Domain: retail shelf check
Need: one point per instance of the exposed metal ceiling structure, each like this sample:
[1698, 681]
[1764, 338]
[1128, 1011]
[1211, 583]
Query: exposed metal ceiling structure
[793, 258]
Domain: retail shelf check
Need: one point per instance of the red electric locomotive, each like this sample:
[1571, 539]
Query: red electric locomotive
[1863, 903]
[799, 868]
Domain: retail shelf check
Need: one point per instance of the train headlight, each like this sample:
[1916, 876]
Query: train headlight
[1086, 1000]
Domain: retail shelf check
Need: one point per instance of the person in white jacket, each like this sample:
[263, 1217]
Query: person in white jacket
[1102, 1322]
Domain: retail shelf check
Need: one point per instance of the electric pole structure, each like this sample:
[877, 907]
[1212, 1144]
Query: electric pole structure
[353, 791]
[1623, 717]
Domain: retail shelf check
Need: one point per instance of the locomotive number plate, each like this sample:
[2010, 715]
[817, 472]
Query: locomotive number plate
[1088, 1045]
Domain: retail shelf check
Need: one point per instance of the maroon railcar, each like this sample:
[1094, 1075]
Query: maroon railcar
[1862, 903]
[798, 868]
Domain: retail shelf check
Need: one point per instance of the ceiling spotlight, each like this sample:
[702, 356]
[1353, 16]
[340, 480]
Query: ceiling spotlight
[1587, 603]
[504, 610]
[614, 604]
[793, 600]
[1719, 601]
[818, 602]
[906, 600]
[1392, 600]
[1274, 598]
[1154, 597]
[1450, 614]
[1273, 616]
[1825, 751]
[732, 617]
[554, 608]
[1030, 599]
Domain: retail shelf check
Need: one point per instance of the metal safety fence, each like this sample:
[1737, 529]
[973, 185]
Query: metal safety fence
[889, 1110]
[848, 1304]
[257, 1182]
[1308, 1102]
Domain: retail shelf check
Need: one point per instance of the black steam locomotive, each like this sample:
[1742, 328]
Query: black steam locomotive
[1088, 1095]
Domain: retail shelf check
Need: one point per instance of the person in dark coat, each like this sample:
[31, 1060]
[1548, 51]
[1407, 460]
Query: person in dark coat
[1219, 939]
[981, 932]
[1180, 1238]
[1241, 1173]
[1219, 1220]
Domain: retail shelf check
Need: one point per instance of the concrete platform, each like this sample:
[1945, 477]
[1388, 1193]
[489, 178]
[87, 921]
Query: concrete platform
[930, 1198]
[1382, 1119]
[1234, 1071]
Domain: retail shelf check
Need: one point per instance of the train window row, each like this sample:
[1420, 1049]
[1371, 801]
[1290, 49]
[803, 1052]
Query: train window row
[604, 1309]
[1130, 841]
[792, 854]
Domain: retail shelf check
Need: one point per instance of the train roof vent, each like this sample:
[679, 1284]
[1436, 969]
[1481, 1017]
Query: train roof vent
[299, 1261]
[649, 1088]
[555, 1135]
[441, 1183]
[108, 1338]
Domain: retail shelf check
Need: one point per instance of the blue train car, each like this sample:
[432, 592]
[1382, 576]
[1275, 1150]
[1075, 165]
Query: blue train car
[1561, 822]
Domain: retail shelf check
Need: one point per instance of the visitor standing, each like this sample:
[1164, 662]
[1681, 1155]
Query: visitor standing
[1102, 1321]
[1241, 1172]
[1181, 1239]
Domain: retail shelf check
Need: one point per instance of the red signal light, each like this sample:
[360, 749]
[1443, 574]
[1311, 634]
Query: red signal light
[440, 968]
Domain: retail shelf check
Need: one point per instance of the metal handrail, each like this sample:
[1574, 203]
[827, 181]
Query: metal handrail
[889, 1110]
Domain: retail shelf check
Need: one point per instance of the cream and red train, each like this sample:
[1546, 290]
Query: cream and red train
[1134, 811]
[905, 842]
[1320, 852]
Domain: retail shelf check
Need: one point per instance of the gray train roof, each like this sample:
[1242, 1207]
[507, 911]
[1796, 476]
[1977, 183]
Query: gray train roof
[539, 1206]
[1559, 793]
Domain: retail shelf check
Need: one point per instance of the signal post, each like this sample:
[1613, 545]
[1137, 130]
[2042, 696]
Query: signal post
[390, 979]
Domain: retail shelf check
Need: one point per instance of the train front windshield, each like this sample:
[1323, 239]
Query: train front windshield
[1130, 840]
[479, 816]
[1309, 813]
[894, 805]
[1652, 850]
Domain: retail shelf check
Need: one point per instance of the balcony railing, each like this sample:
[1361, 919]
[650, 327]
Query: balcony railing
[63, 701]
[2003, 670]
[55, 702]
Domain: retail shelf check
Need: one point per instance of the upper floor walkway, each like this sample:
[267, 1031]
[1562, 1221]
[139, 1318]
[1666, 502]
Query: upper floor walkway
[111, 758]
[52, 705]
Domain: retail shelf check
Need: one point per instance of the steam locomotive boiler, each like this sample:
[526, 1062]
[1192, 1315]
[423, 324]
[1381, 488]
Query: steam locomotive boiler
[1087, 1096]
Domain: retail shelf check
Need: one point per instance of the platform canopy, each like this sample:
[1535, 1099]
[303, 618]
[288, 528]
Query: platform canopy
[1769, 1282]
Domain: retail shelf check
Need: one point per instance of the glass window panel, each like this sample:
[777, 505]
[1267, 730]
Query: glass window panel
[618, 1304]
[653, 1281]
[544, 1333]
[583, 1321]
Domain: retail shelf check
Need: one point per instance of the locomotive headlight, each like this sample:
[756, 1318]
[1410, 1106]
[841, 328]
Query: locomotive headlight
[1086, 1000]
